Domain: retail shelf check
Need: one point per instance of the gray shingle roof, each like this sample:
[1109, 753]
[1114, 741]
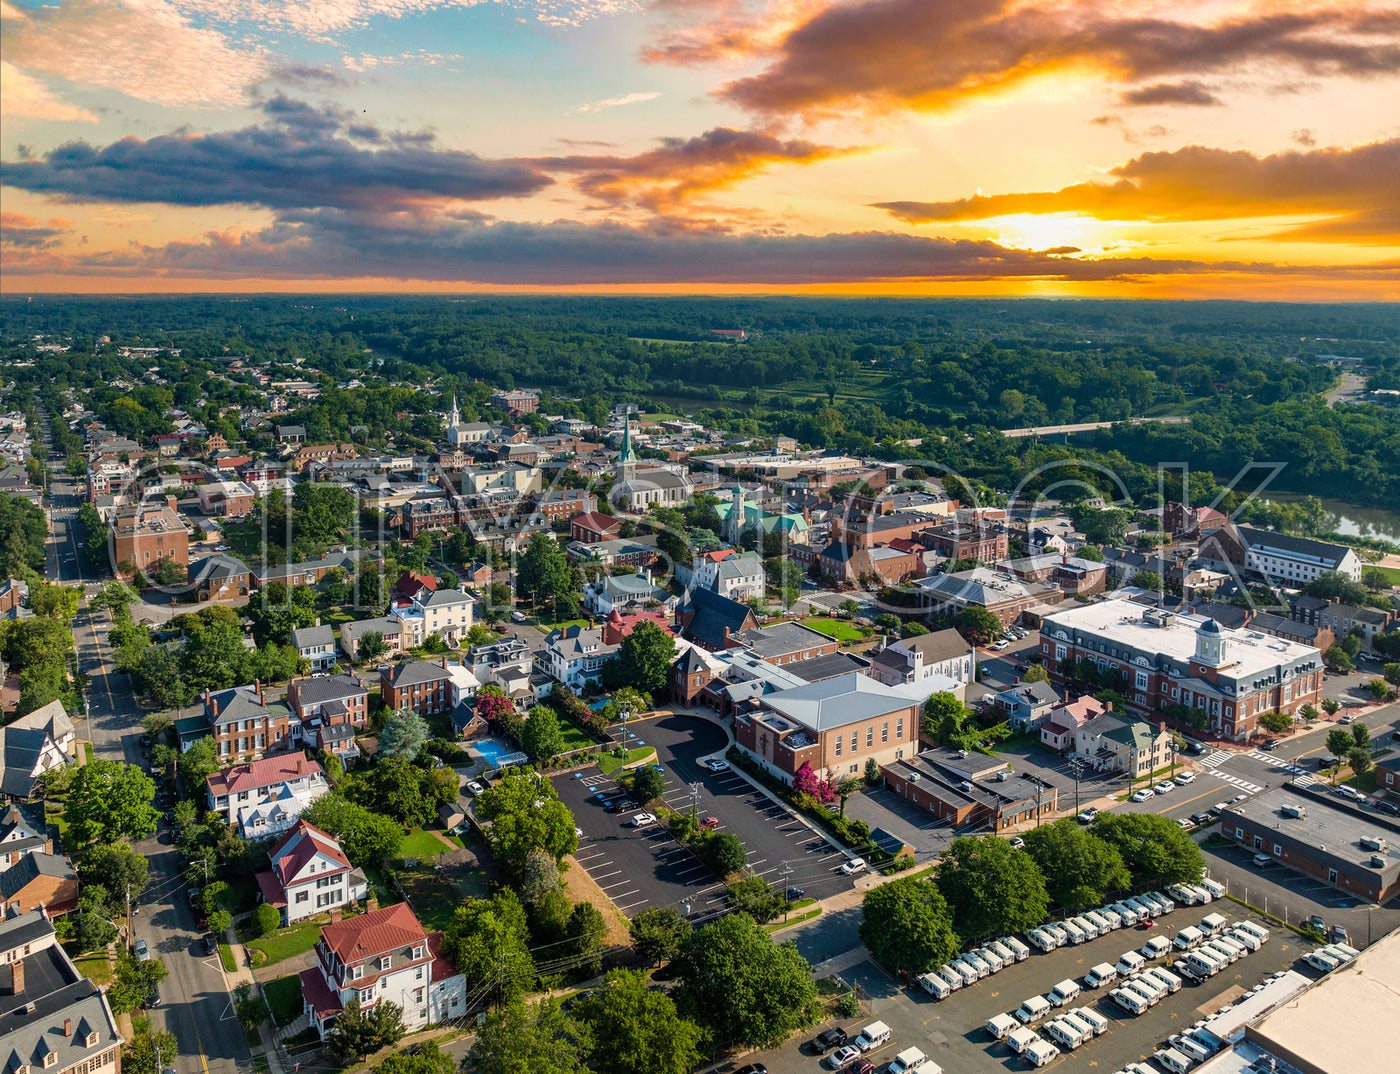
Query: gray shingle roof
[837, 702]
[320, 689]
[419, 671]
[29, 868]
[307, 637]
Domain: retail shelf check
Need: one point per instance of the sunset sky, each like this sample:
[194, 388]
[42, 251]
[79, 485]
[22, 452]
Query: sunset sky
[1197, 149]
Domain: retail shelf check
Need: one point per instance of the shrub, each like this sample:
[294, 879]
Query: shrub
[848, 1006]
[267, 918]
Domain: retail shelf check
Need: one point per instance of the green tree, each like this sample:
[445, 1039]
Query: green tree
[1335, 659]
[55, 601]
[991, 886]
[725, 854]
[1277, 722]
[887, 622]
[643, 660]
[647, 783]
[358, 1033]
[488, 940]
[542, 737]
[115, 867]
[586, 930]
[525, 815]
[425, 1058]
[250, 1007]
[403, 734]
[1359, 760]
[1392, 675]
[1036, 673]
[658, 933]
[542, 572]
[267, 919]
[1153, 847]
[638, 1029]
[1079, 867]
[149, 1051]
[1377, 689]
[366, 837]
[756, 897]
[134, 982]
[539, 876]
[370, 646]
[521, 1038]
[977, 625]
[1360, 734]
[200, 761]
[109, 801]
[945, 719]
[1330, 705]
[872, 772]
[907, 926]
[395, 788]
[91, 921]
[1339, 741]
[741, 985]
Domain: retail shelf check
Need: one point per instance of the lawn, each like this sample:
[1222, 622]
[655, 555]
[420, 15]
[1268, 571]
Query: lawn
[433, 897]
[1391, 574]
[96, 968]
[545, 624]
[226, 957]
[284, 997]
[421, 844]
[287, 943]
[608, 763]
[575, 738]
[835, 628]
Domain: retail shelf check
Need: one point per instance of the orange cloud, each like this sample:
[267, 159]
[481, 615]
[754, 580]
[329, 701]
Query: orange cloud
[664, 178]
[931, 54]
[1356, 187]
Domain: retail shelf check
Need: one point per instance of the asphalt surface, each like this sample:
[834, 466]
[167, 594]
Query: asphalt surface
[195, 1002]
[647, 867]
[952, 1031]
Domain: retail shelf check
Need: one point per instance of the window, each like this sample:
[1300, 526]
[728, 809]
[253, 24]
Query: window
[838, 745]
[1278, 849]
[418, 951]
[366, 995]
[869, 737]
[854, 740]
[899, 728]
[357, 973]
[1142, 680]
[885, 731]
[418, 974]
[855, 768]
[302, 896]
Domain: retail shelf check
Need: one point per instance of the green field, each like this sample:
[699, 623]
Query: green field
[835, 628]
[1391, 574]
[284, 997]
[421, 844]
[608, 764]
[287, 943]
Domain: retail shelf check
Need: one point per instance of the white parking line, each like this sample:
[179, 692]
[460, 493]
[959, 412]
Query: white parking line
[604, 876]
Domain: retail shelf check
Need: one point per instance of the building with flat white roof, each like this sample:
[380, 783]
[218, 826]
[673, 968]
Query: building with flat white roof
[1183, 667]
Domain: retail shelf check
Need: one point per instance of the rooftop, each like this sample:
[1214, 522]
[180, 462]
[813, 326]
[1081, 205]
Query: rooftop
[840, 701]
[780, 639]
[1327, 825]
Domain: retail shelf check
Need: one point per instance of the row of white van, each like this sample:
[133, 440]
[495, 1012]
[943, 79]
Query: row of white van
[1197, 894]
[973, 966]
[1145, 989]
[1094, 923]
[1330, 957]
[1069, 1030]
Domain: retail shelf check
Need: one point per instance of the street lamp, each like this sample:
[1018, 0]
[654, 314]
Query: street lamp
[1077, 767]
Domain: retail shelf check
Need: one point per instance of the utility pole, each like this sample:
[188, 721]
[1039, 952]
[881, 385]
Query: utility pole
[787, 871]
[1076, 766]
[129, 940]
[694, 799]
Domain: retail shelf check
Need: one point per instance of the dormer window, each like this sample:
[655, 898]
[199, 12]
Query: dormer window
[385, 961]
[357, 973]
[91, 1040]
[418, 951]
[51, 1060]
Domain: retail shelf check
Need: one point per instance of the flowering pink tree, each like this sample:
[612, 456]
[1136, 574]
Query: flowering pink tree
[808, 782]
[494, 705]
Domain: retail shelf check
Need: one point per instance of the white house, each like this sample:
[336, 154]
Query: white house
[316, 644]
[383, 956]
[736, 575]
[309, 874]
[265, 797]
[575, 655]
[942, 652]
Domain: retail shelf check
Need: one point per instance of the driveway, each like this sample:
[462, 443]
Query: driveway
[882, 808]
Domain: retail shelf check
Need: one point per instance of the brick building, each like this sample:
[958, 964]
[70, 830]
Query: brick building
[145, 534]
[981, 540]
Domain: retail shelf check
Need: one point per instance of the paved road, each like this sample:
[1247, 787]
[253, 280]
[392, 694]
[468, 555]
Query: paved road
[1348, 391]
[1084, 427]
[195, 1003]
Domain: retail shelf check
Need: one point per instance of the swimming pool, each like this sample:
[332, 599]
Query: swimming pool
[497, 753]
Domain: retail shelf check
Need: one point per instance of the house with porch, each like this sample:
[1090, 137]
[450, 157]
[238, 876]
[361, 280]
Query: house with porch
[309, 874]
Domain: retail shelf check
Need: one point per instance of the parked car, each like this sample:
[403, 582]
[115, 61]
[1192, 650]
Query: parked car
[855, 865]
[211, 943]
[752, 1068]
[714, 764]
[641, 820]
[1262, 860]
[843, 1057]
[708, 823]
[475, 788]
[1202, 818]
[1087, 817]
[1143, 795]
[828, 1039]
[1165, 787]
[143, 953]
[1018, 843]
[1316, 922]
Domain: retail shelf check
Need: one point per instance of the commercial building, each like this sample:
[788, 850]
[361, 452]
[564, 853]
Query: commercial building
[145, 534]
[1280, 558]
[835, 726]
[1002, 595]
[1174, 662]
[974, 791]
[1333, 842]
[1113, 743]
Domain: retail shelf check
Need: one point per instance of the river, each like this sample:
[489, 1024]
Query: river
[1353, 521]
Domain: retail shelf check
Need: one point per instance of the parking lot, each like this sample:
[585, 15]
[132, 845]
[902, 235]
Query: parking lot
[952, 1031]
[645, 867]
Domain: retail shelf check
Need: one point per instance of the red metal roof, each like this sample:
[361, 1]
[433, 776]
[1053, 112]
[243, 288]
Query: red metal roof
[263, 773]
[288, 861]
[316, 992]
[368, 935]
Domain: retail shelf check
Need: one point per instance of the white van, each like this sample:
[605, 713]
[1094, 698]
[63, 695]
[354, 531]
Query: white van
[1064, 1033]
[969, 968]
[1085, 1027]
[1130, 962]
[1112, 916]
[1321, 960]
[1033, 1010]
[1130, 914]
[1188, 938]
[1094, 1018]
[934, 985]
[1182, 894]
[1084, 925]
[1143, 907]
[911, 1059]
[1058, 931]
[1172, 1060]
[1205, 894]
[1003, 952]
[1018, 1040]
[1256, 928]
[1075, 934]
[951, 976]
[1170, 980]
[1130, 1001]
[993, 960]
[1232, 945]
[1039, 1052]
[1100, 921]
[1101, 975]
[1017, 948]
[1245, 937]
[1230, 953]
[1164, 905]
[1204, 963]
[873, 1036]
[1044, 939]
[1192, 1049]
[1213, 924]
[1157, 947]
[1152, 988]
[1343, 951]
[1215, 887]
[1001, 1026]
[1064, 993]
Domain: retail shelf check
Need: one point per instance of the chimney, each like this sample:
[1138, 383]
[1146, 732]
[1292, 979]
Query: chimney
[371, 904]
[444, 663]
[68, 1027]
[170, 502]
[17, 988]
[335, 915]
[209, 702]
[257, 685]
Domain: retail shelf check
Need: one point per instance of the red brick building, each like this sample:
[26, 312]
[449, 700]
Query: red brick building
[592, 527]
